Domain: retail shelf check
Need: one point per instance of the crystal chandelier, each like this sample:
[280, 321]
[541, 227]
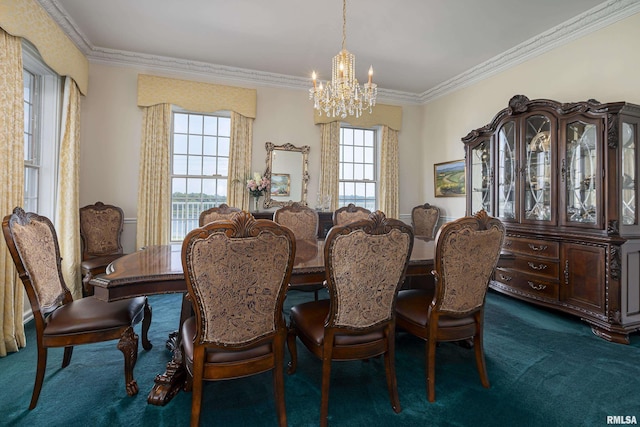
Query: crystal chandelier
[343, 95]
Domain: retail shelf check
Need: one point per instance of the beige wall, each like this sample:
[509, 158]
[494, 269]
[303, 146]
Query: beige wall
[604, 65]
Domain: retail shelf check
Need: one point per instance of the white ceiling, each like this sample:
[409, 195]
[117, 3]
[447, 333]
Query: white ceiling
[418, 48]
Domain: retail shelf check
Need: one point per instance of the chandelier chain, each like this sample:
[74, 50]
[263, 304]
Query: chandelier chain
[344, 24]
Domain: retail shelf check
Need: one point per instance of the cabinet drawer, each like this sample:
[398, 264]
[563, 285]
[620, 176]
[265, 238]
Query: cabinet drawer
[532, 265]
[531, 285]
[535, 247]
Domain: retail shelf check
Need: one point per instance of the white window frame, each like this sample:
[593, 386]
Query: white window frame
[46, 129]
[184, 220]
[374, 181]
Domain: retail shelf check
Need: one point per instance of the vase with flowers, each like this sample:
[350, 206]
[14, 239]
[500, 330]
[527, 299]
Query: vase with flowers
[257, 186]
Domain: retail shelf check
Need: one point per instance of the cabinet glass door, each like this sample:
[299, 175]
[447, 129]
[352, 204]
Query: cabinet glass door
[537, 169]
[481, 177]
[506, 171]
[629, 181]
[582, 177]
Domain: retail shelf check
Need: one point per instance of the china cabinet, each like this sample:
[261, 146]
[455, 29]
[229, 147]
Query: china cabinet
[563, 178]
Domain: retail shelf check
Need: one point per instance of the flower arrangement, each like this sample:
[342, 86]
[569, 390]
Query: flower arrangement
[257, 185]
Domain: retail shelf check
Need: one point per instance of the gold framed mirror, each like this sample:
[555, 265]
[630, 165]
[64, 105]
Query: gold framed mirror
[288, 171]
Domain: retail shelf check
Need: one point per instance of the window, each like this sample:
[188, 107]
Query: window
[42, 97]
[358, 167]
[200, 167]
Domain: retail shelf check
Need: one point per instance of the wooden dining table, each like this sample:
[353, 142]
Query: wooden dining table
[158, 270]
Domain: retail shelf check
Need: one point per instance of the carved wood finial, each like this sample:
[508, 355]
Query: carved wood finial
[518, 104]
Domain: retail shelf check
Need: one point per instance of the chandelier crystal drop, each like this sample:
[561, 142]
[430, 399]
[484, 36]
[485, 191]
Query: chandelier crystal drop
[343, 96]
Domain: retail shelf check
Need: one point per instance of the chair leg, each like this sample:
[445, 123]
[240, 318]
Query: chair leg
[293, 350]
[278, 380]
[479, 350]
[66, 358]
[128, 345]
[42, 366]
[326, 379]
[146, 324]
[196, 394]
[431, 369]
[390, 370]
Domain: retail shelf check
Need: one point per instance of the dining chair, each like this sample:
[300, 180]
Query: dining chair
[61, 321]
[100, 234]
[424, 219]
[300, 219]
[349, 213]
[237, 272]
[365, 264]
[303, 221]
[466, 254]
[223, 211]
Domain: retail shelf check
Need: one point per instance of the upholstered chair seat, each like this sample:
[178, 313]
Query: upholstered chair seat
[93, 315]
[92, 265]
[310, 318]
[219, 355]
[411, 304]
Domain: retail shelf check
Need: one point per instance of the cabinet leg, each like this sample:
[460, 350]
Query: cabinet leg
[617, 337]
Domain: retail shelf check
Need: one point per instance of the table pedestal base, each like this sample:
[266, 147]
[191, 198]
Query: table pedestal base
[168, 384]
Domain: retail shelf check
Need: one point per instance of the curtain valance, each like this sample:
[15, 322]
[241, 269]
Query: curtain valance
[27, 19]
[382, 114]
[195, 96]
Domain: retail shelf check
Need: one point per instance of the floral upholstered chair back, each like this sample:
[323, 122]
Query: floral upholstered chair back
[237, 272]
[101, 230]
[300, 219]
[424, 219]
[366, 263]
[33, 244]
[467, 252]
[223, 211]
[350, 213]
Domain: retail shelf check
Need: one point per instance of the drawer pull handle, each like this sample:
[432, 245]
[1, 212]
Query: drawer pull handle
[505, 278]
[537, 267]
[537, 286]
[538, 248]
[508, 243]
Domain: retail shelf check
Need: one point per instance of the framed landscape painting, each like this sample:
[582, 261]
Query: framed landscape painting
[448, 179]
[280, 184]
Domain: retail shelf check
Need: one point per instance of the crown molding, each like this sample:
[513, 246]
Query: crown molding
[585, 23]
[588, 22]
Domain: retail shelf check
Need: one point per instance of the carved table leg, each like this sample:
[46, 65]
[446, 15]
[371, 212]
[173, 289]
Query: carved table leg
[168, 384]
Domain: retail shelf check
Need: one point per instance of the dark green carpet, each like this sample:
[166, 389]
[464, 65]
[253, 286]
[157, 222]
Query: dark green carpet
[545, 369]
